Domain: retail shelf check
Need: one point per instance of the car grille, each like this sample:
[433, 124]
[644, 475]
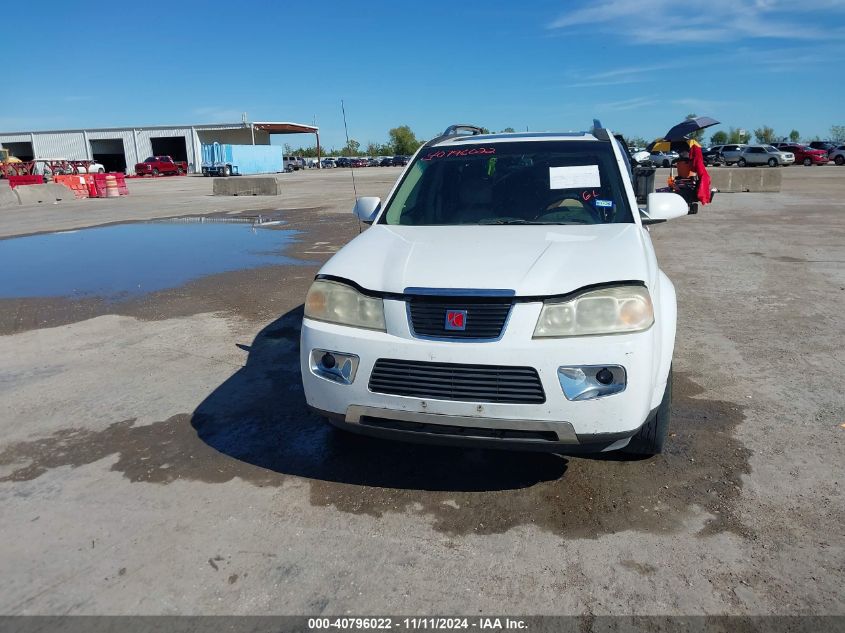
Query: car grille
[485, 318]
[449, 381]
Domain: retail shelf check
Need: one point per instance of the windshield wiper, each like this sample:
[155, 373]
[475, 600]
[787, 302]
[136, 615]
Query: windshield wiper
[504, 221]
[518, 221]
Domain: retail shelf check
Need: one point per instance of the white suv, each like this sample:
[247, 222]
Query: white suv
[506, 295]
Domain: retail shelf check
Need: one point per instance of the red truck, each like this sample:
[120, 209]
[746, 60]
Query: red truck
[161, 165]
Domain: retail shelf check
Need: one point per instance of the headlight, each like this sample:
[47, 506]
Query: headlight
[338, 303]
[613, 310]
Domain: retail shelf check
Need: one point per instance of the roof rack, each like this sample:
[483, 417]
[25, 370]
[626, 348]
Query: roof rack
[456, 130]
[459, 129]
[599, 131]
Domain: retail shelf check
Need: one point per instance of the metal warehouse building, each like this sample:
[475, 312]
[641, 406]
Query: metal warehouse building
[118, 149]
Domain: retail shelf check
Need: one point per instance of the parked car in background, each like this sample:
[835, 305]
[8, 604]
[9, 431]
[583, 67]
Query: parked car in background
[838, 155]
[387, 161]
[731, 153]
[400, 161]
[803, 154]
[290, 163]
[764, 155]
[161, 165]
[88, 167]
[342, 161]
[827, 146]
[359, 162]
[712, 155]
[664, 159]
[373, 162]
[639, 156]
[328, 163]
[50, 167]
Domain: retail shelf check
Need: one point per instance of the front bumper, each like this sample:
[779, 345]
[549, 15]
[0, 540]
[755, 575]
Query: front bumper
[603, 423]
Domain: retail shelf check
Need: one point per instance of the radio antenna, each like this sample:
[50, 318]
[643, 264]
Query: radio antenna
[346, 130]
[351, 167]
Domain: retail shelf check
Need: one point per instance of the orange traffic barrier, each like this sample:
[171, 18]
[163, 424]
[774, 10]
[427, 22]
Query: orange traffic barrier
[75, 183]
[107, 185]
[111, 187]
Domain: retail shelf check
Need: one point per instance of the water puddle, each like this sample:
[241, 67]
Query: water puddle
[127, 260]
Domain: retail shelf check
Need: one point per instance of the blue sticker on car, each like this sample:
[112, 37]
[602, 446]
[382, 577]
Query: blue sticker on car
[604, 203]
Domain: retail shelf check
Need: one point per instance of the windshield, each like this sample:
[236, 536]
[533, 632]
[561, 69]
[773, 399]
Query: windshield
[533, 182]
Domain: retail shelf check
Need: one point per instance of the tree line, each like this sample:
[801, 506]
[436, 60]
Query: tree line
[763, 134]
[402, 142]
[766, 134]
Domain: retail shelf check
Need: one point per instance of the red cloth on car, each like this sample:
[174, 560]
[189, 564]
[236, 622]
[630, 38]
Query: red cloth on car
[697, 163]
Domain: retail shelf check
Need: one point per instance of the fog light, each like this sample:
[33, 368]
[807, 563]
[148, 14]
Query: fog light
[334, 366]
[604, 376]
[586, 382]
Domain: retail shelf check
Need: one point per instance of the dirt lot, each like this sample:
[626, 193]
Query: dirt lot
[156, 456]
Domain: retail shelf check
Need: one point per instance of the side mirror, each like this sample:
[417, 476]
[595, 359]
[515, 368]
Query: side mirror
[367, 208]
[664, 206]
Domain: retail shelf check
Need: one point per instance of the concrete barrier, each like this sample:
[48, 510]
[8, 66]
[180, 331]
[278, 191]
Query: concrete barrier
[247, 186]
[7, 195]
[739, 179]
[46, 193]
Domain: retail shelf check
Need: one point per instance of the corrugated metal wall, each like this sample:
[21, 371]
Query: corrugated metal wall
[232, 136]
[76, 144]
[64, 145]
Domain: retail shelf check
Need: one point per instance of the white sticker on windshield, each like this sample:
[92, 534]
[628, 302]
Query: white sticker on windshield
[575, 177]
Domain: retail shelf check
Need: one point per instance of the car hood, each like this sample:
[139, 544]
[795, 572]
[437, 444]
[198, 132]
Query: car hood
[530, 260]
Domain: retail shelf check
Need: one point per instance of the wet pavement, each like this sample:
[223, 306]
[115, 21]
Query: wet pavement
[127, 260]
[256, 427]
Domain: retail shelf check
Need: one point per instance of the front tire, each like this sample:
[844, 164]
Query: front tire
[155, 172]
[773, 162]
[666, 163]
[807, 162]
[839, 160]
[651, 438]
[740, 162]
[227, 171]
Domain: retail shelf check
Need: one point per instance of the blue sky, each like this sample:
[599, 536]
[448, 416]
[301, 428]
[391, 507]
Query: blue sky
[638, 65]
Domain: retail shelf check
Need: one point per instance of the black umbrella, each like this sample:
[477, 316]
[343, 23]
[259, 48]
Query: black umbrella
[681, 131]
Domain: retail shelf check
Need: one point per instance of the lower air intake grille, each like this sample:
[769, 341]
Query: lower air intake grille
[448, 381]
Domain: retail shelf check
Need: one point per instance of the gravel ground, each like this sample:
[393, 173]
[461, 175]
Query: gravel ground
[156, 456]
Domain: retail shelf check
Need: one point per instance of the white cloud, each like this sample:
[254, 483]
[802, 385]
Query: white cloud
[605, 82]
[624, 75]
[667, 22]
[627, 104]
